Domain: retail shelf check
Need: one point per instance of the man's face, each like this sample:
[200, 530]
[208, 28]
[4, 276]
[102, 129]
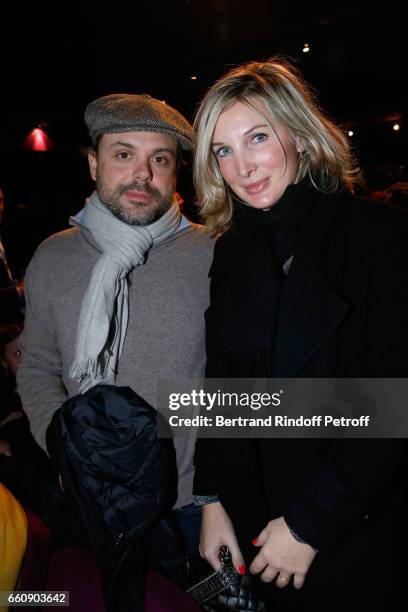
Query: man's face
[135, 174]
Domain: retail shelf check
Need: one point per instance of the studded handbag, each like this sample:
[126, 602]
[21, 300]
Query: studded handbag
[225, 590]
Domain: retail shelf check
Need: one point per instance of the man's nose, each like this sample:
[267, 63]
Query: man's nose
[142, 171]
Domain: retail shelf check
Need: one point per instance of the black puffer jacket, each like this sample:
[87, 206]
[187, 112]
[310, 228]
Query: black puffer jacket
[124, 480]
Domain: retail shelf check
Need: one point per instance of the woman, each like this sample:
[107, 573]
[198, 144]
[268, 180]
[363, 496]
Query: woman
[307, 281]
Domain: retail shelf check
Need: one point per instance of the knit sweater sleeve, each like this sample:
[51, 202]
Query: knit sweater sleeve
[39, 377]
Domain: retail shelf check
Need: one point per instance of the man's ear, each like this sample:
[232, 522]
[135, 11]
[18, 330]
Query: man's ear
[93, 164]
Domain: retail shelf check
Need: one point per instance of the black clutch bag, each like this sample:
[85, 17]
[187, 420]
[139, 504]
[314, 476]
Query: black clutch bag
[226, 590]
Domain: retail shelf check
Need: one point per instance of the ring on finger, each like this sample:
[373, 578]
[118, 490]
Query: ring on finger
[283, 578]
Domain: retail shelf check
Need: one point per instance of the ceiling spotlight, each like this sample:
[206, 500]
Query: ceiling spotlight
[396, 127]
[193, 77]
[306, 48]
[350, 133]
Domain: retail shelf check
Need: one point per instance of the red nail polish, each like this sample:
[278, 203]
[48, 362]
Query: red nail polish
[242, 569]
[254, 541]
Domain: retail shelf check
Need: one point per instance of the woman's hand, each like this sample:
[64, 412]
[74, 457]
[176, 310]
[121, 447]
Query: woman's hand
[281, 555]
[216, 531]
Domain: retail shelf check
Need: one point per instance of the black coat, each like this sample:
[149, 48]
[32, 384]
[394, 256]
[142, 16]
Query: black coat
[343, 313]
[124, 481]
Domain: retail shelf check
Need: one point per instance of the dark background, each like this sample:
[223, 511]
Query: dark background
[56, 58]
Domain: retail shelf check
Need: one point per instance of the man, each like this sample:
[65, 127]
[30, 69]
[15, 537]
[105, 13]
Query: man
[119, 299]
[11, 293]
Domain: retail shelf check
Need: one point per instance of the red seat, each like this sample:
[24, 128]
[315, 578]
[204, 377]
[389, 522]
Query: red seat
[165, 596]
[36, 560]
[74, 569]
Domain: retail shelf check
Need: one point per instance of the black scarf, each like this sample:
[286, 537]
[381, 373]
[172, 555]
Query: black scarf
[246, 283]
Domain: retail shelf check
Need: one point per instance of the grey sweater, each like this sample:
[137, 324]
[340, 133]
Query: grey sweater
[165, 336]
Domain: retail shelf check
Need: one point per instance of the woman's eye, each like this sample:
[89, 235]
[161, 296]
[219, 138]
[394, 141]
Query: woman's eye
[259, 138]
[222, 152]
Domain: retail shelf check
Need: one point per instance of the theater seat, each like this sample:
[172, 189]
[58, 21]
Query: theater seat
[165, 596]
[74, 569]
[36, 560]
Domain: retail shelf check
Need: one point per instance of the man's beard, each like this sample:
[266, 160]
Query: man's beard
[134, 212]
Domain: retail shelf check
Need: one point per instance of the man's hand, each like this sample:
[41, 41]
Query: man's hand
[216, 531]
[281, 555]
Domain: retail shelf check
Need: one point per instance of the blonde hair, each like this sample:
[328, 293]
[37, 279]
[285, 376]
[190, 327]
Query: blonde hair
[326, 158]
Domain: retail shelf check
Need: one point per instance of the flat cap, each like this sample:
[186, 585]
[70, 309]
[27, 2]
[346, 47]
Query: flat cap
[136, 113]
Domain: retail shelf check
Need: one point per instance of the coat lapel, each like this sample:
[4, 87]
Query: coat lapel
[310, 310]
[309, 313]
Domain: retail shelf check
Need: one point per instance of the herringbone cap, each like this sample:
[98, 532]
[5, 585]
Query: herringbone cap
[136, 113]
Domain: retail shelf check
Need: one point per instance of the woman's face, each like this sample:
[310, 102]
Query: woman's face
[256, 161]
[12, 354]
